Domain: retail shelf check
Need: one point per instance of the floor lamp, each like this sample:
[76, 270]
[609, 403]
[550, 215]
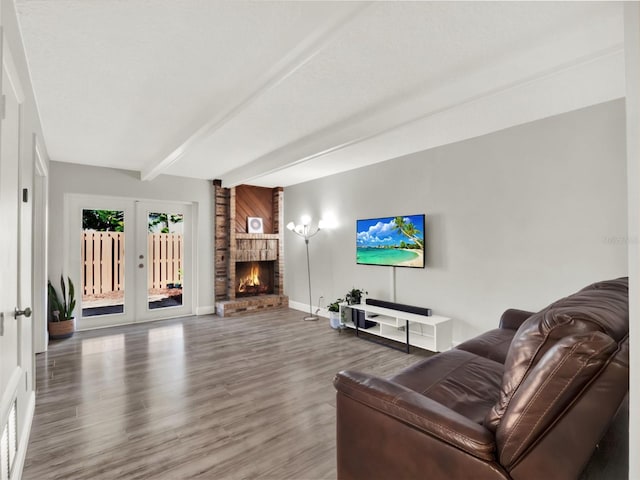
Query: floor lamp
[305, 231]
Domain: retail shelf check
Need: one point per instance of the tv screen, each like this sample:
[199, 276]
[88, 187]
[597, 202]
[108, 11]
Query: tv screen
[391, 241]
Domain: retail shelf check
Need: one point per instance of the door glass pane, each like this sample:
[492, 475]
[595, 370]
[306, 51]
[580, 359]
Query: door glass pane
[165, 255]
[102, 260]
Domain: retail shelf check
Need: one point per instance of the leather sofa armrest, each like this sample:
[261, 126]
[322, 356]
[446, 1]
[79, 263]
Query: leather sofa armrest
[418, 411]
[513, 318]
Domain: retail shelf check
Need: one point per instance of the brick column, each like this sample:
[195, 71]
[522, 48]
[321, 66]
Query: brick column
[221, 229]
[233, 246]
[279, 227]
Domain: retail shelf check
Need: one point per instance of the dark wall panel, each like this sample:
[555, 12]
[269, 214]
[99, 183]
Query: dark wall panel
[254, 202]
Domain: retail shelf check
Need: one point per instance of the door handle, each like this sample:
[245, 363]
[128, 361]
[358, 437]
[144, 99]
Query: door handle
[26, 312]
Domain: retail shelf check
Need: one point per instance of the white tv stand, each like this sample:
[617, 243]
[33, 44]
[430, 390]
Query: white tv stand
[429, 332]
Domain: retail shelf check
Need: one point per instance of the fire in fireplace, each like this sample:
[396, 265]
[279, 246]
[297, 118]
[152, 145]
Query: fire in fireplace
[254, 278]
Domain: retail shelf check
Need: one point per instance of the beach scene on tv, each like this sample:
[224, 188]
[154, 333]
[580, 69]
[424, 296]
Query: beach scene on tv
[393, 241]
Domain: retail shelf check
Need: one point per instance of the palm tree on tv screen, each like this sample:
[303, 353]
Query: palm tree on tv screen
[408, 229]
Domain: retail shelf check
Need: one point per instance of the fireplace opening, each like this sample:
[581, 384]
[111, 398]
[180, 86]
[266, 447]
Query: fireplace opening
[254, 278]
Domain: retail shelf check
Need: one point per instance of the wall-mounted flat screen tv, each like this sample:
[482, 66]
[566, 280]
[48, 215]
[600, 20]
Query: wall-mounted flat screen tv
[391, 241]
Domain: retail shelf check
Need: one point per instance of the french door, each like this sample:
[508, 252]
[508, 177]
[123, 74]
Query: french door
[163, 260]
[132, 260]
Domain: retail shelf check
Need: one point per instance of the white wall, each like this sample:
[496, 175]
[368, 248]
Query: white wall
[632, 53]
[516, 218]
[80, 179]
[29, 114]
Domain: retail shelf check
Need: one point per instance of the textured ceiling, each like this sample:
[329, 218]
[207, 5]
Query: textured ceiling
[277, 93]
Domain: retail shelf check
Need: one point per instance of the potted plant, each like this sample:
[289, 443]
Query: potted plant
[354, 296]
[334, 313]
[61, 319]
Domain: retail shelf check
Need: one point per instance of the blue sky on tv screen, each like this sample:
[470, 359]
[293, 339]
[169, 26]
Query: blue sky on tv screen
[376, 232]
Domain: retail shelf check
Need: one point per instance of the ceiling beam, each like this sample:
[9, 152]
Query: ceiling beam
[304, 52]
[413, 109]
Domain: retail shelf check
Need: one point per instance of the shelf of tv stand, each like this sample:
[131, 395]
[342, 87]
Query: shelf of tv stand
[432, 332]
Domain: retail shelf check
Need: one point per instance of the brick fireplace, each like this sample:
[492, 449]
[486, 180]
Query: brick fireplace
[249, 266]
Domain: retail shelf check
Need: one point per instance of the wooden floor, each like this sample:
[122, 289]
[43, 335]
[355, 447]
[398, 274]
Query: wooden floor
[210, 398]
[201, 397]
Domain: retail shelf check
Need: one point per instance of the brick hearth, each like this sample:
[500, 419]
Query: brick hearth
[228, 308]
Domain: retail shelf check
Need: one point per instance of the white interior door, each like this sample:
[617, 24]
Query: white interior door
[164, 270]
[17, 398]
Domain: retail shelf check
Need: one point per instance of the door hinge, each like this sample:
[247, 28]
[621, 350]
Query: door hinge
[1, 324]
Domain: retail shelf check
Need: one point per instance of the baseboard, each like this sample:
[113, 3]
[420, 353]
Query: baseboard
[21, 454]
[208, 310]
[303, 307]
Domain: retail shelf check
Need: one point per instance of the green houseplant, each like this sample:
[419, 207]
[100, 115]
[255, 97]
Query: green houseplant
[354, 296]
[334, 313]
[61, 319]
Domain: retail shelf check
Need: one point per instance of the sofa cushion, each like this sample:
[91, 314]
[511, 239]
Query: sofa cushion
[493, 344]
[466, 383]
[601, 307]
[513, 318]
[561, 375]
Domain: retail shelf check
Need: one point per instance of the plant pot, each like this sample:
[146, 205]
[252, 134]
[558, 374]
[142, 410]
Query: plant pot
[62, 329]
[334, 319]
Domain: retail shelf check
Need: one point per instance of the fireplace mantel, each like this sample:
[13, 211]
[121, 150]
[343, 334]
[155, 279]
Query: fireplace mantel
[253, 247]
[258, 236]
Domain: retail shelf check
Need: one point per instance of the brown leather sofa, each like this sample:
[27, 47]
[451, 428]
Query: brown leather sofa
[528, 400]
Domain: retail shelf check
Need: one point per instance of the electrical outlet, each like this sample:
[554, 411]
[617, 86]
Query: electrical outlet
[320, 302]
